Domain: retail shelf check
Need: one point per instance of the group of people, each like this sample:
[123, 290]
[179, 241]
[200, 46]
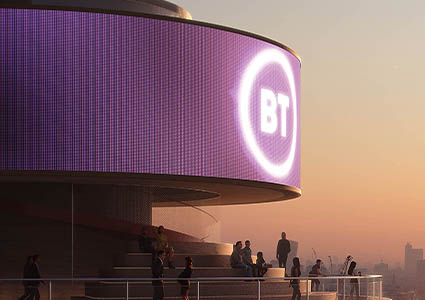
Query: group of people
[160, 249]
[315, 283]
[241, 258]
[31, 271]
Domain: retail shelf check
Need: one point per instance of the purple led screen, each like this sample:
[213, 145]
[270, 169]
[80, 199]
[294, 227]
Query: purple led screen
[84, 91]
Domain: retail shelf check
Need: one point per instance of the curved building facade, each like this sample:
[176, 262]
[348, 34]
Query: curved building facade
[110, 108]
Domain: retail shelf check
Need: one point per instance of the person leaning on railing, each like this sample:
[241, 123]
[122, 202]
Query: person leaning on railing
[354, 281]
[315, 271]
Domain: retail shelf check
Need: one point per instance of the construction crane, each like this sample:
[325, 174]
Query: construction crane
[314, 255]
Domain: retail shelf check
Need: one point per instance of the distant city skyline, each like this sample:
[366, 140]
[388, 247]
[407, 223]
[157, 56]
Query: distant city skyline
[362, 98]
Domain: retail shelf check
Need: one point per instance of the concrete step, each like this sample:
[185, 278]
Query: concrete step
[145, 272]
[191, 247]
[199, 260]
[223, 288]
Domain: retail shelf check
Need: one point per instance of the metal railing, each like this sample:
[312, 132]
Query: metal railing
[369, 287]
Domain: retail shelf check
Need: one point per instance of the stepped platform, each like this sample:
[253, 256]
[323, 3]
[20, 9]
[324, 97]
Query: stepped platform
[191, 248]
[145, 259]
[210, 260]
[145, 272]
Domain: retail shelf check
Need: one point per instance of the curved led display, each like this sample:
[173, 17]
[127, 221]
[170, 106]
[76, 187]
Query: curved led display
[88, 91]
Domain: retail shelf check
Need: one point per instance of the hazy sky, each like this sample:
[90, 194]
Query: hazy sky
[363, 127]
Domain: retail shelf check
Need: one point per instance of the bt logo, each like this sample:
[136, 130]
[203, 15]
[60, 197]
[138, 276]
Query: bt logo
[269, 116]
[277, 113]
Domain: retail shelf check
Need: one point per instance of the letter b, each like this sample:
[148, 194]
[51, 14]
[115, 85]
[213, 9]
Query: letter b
[268, 111]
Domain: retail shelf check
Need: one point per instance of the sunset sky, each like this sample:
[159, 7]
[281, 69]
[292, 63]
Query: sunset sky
[363, 127]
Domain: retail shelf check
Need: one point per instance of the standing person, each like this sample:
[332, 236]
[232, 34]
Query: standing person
[162, 245]
[34, 272]
[158, 272]
[295, 283]
[354, 281]
[282, 251]
[315, 271]
[236, 260]
[26, 275]
[246, 254]
[185, 284]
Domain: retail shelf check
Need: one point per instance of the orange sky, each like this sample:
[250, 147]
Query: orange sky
[363, 127]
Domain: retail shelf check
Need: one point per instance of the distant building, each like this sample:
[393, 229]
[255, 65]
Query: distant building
[381, 268]
[411, 258]
[420, 268]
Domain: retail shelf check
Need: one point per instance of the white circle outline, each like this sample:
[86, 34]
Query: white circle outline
[260, 61]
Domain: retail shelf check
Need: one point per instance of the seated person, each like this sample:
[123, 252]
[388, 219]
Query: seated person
[246, 254]
[315, 271]
[236, 260]
[145, 242]
[162, 245]
[261, 265]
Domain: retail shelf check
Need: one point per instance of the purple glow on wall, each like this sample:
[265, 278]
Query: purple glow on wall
[87, 91]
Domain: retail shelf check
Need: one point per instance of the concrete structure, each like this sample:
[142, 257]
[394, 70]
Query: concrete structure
[110, 108]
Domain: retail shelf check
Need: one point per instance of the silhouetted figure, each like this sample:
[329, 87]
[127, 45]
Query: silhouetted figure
[315, 271]
[158, 272]
[354, 281]
[26, 275]
[145, 242]
[162, 245]
[246, 254]
[34, 272]
[185, 284]
[236, 260]
[261, 265]
[295, 283]
[282, 251]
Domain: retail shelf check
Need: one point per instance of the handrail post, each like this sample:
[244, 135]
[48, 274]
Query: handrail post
[307, 290]
[360, 286]
[259, 289]
[337, 289]
[126, 289]
[373, 289]
[198, 291]
[50, 290]
[380, 288]
[367, 289]
[343, 289]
